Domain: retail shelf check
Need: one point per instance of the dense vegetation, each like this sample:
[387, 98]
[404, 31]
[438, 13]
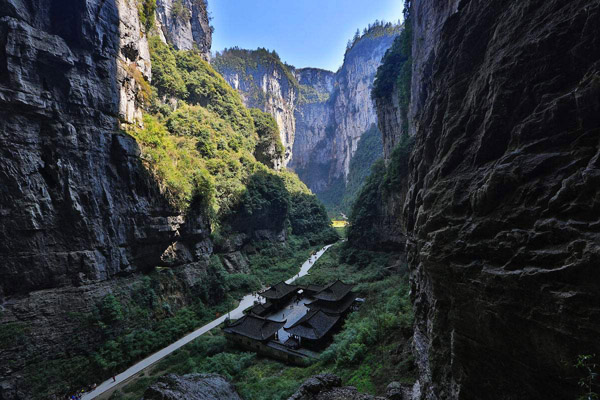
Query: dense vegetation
[373, 345]
[147, 315]
[382, 183]
[246, 63]
[213, 148]
[146, 10]
[393, 79]
[269, 149]
[374, 30]
[394, 76]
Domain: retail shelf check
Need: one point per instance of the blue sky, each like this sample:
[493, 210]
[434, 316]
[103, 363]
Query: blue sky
[305, 33]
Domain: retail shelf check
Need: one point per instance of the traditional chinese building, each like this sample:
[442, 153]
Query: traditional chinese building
[262, 309]
[314, 330]
[336, 298]
[280, 294]
[309, 334]
[311, 290]
[259, 334]
[251, 330]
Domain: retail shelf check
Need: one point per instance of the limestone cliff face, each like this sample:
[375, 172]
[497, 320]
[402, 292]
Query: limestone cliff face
[78, 209]
[264, 83]
[321, 114]
[191, 387]
[390, 122]
[185, 24]
[314, 132]
[329, 125]
[64, 163]
[354, 111]
[503, 201]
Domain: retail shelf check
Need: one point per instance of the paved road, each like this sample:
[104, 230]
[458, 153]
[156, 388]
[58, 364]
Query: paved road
[246, 303]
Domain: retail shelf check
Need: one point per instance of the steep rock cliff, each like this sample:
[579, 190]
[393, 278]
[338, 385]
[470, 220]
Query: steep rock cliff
[354, 111]
[321, 114]
[79, 210]
[185, 24]
[390, 122]
[64, 162]
[330, 128]
[503, 201]
[314, 133]
[376, 215]
[264, 83]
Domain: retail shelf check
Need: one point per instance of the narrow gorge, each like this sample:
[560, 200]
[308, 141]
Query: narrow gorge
[322, 115]
[127, 222]
[148, 183]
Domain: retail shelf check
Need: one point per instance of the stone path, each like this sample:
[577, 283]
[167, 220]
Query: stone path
[246, 303]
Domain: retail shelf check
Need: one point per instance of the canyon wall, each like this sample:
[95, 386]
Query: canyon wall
[503, 202]
[264, 82]
[313, 142]
[185, 24]
[354, 111]
[64, 162]
[390, 122]
[321, 114]
[79, 211]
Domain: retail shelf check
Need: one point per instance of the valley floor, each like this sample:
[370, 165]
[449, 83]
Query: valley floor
[372, 349]
[246, 302]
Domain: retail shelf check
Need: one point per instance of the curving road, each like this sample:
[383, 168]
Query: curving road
[245, 303]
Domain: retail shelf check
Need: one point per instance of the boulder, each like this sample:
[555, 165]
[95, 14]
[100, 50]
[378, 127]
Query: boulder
[191, 387]
[328, 387]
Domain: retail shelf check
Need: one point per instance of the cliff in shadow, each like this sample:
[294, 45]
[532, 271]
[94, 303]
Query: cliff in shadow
[503, 202]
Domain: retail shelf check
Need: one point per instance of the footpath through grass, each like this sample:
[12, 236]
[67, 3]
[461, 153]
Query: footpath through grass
[371, 350]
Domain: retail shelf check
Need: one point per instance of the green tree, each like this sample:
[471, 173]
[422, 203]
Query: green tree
[269, 148]
[146, 11]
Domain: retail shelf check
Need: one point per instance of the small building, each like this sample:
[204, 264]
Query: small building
[334, 307]
[334, 291]
[258, 334]
[307, 336]
[314, 330]
[336, 298]
[312, 290]
[262, 310]
[280, 294]
[251, 331]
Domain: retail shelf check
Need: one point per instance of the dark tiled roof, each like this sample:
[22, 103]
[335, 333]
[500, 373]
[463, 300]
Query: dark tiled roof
[314, 325]
[254, 327]
[333, 307]
[279, 291]
[334, 292]
[314, 288]
[262, 309]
